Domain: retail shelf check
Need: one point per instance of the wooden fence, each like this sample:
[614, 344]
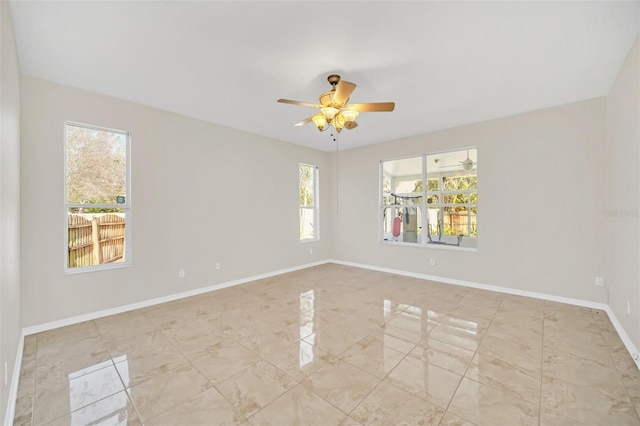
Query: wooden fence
[96, 241]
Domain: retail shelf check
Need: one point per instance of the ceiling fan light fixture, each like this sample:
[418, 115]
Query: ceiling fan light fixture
[349, 115]
[319, 120]
[338, 122]
[334, 109]
[329, 112]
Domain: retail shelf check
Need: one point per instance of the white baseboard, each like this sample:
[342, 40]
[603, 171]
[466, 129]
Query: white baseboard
[631, 348]
[498, 289]
[15, 379]
[130, 307]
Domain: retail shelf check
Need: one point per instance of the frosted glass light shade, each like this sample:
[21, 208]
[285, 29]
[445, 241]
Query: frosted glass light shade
[319, 120]
[350, 115]
[329, 112]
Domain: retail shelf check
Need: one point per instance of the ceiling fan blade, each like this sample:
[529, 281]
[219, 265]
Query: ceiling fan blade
[351, 125]
[304, 104]
[305, 121]
[344, 89]
[372, 107]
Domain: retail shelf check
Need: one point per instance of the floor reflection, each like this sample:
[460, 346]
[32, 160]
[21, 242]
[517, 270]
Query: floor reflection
[97, 396]
[307, 313]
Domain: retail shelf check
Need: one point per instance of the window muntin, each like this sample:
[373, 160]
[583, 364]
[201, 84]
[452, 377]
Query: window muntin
[444, 213]
[97, 202]
[308, 199]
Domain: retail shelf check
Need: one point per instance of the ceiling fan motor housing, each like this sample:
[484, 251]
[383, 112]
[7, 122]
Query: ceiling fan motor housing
[333, 79]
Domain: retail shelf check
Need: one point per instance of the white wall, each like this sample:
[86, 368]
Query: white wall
[201, 194]
[541, 190]
[623, 223]
[9, 202]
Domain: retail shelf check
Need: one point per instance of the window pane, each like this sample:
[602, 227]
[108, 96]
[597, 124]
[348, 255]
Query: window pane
[459, 221]
[96, 166]
[451, 221]
[386, 190]
[387, 222]
[96, 236]
[433, 184]
[306, 185]
[408, 185]
[402, 224]
[433, 221]
[459, 183]
[460, 163]
[402, 176]
[456, 198]
[307, 226]
[307, 193]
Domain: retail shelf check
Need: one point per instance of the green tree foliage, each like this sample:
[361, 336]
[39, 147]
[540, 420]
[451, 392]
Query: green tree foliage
[95, 167]
[460, 183]
[432, 185]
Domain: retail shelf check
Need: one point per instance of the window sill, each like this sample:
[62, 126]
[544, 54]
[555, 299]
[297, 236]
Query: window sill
[310, 240]
[431, 246]
[96, 268]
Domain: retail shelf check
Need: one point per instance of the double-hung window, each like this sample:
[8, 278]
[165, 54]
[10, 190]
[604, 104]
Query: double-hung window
[308, 195]
[441, 213]
[97, 198]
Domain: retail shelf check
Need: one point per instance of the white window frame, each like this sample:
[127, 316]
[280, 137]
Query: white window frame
[315, 206]
[424, 206]
[126, 206]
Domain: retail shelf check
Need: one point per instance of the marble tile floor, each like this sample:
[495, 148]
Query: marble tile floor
[334, 345]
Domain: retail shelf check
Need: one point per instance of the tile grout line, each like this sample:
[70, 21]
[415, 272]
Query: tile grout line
[156, 329]
[124, 386]
[544, 319]
[615, 366]
[386, 375]
[464, 375]
[35, 382]
[190, 363]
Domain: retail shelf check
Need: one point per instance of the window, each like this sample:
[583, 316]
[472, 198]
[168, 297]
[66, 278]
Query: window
[308, 193]
[97, 202]
[442, 213]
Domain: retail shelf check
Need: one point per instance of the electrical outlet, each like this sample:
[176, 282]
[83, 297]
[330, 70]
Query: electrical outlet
[599, 282]
[6, 373]
[217, 265]
[310, 251]
[181, 273]
[636, 356]
[628, 306]
[432, 262]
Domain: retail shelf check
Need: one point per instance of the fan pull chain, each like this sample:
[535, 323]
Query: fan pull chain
[335, 139]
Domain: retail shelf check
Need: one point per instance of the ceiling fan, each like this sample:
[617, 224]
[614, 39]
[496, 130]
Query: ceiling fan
[467, 164]
[334, 110]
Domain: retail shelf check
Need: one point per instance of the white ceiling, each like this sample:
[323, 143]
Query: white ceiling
[444, 63]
